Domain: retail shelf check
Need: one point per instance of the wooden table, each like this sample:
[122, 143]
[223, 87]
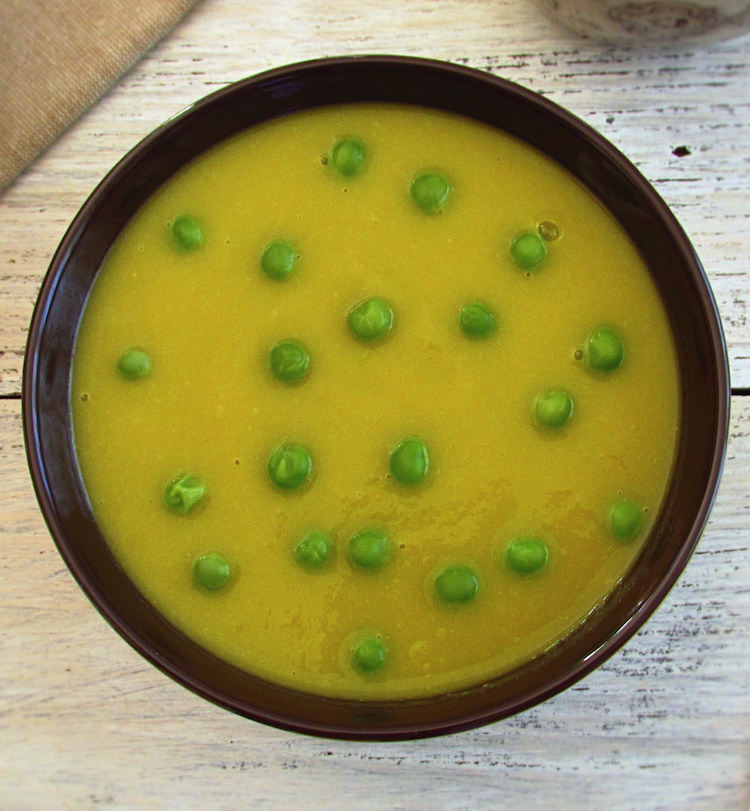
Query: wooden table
[664, 724]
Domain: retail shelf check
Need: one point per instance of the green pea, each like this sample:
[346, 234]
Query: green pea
[348, 155]
[553, 408]
[410, 461]
[211, 571]
[526, 555]
[528, 251]
[314, 550]
[457, 584]
[605, 350]
[430, 192]
[279, 259]
[134, 364]
[187, 232]
[477, 321]
[370, 319]
[183, 493]
[290, 465]
[289, 361]
[369, 655]
[369, 549]
[625, 519]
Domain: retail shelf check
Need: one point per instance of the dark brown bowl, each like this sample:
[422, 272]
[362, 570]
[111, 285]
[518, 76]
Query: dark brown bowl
[599, 166]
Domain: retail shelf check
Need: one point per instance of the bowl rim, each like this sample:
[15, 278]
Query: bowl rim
[38, 466]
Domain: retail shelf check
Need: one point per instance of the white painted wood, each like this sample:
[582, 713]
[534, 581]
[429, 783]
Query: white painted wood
[84, 721]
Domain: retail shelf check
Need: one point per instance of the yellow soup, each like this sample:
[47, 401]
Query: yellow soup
[377, 618]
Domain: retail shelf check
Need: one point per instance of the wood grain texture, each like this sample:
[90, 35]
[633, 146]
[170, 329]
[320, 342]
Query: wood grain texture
[84, 721]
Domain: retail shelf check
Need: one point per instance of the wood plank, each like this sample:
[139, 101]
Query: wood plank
[85, 721]
[647, 102]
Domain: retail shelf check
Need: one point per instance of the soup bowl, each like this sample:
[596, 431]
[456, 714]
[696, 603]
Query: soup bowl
[597, 165]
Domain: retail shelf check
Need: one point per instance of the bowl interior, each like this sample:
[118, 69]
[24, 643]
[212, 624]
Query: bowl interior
[598, 166]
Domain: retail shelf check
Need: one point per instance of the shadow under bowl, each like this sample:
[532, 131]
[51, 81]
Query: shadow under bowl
[671, 260]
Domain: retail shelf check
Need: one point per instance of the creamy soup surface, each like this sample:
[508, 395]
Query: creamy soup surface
[207, 317]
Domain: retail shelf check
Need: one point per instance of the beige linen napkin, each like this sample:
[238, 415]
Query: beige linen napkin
[58, 56]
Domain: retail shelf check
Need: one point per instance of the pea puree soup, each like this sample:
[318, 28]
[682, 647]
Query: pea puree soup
[375, 401]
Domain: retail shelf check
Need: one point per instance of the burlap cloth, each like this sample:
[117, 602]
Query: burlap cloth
[58, 56]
